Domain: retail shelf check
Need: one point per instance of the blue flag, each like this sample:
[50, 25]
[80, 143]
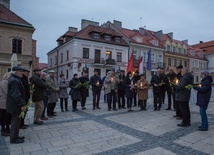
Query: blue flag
[149, 63]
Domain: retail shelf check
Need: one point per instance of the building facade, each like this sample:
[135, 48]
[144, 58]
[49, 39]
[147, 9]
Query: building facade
[92, 48]
[15, 37]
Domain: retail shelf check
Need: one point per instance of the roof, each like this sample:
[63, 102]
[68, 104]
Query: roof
[207, 47]
[146, 39]
[42, 65]
[86, 34]
[67, 34]
[9, 17]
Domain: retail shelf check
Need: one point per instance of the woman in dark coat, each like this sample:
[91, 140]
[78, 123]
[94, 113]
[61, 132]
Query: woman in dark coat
[75, 91]
[203, 98]
[84, 91]
[129, 90]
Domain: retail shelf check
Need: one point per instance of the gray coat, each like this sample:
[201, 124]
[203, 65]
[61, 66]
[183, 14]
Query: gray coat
[3, 94]
[63, 92]
[111, 83]
[53, 97]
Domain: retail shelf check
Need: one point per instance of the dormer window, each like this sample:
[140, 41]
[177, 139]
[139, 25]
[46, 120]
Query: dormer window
[117, 40]
[107, 38]
[155, 42]
[96, 36]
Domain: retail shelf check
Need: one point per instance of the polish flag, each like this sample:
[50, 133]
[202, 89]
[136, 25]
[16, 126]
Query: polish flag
[130, 66]
[140, 65]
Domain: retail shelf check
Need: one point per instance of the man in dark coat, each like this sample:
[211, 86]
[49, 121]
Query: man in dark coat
[156, 82]
[136, 78]
[121, 90]
[15, 103]
[182, 96]
[84, 90]
[177, 108]
[170, 77]
[203, 98]
[25, 82]
[38, 97]
[96, 83]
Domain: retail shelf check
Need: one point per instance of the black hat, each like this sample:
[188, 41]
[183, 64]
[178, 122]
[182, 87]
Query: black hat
[95, 70]
[112, 69]
[36, 70]
[179, 67]
[17, 68]
[25, 70]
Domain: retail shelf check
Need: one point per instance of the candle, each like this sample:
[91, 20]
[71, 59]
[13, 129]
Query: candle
[176, 81]
[141, 84]
[199, 85]
[131, 82]
[98, 82]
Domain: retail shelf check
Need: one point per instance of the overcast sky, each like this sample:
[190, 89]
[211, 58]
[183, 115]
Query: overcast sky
[187, 19]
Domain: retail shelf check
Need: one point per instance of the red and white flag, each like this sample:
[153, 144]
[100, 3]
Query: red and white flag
[140, 65]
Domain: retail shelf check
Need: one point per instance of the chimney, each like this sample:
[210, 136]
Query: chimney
[72, 29]
[117, 24]
[141, 30]
[170, 35]
[85, 23]
[201, 42]
[5, 3]
[185, 41]
[159, 35]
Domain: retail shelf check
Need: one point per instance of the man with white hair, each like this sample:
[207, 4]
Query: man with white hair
[53, 97]
[182, 96]
[15, 103]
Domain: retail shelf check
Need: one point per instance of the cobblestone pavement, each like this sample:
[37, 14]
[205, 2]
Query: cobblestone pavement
[103, 132]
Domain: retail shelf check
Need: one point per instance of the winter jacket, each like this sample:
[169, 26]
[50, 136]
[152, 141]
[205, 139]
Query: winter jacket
[181, 93]
[157, 80]
[3, 94]
[63, 92]
[15, 95]
[121, 85]
[39, 87]
[143, 87]
[204, 92]
[84, 90]
[93, 81]
[53, 97]
[111, 83]
[128, 92]
[75, 95]
[26, 85]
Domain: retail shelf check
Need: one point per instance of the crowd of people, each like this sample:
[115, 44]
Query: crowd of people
[120, 92]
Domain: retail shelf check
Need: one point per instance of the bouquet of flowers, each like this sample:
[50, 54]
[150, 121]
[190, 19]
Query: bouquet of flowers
[86, 84]
[78, 85]
[32, 89]
[173, 82]
[190, 86]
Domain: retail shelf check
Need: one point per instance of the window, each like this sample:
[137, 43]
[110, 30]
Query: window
[160, 58]
[107, 38]
[67, 74]
[185, 51]
[179, 50]
[155, 42]
[61, 57]
[197, 79]
[193, 64]
[135, 55]
[96, 36]
[50, 61]
[152, 58]
[85, 54]
[17, 46]
[173, 49]
[97, 56]
[169, 61]
[117, 40]
[56, 60]
[119, 57]
[144, 57]
[167, 48]
[108, 54]
[67, 55]
[185, 63]
[180, 63]
[175, 62]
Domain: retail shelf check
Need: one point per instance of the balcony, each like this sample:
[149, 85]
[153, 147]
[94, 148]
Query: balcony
[110, 62]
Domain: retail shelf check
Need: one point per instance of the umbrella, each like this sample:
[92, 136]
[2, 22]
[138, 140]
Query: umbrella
[14, 60]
